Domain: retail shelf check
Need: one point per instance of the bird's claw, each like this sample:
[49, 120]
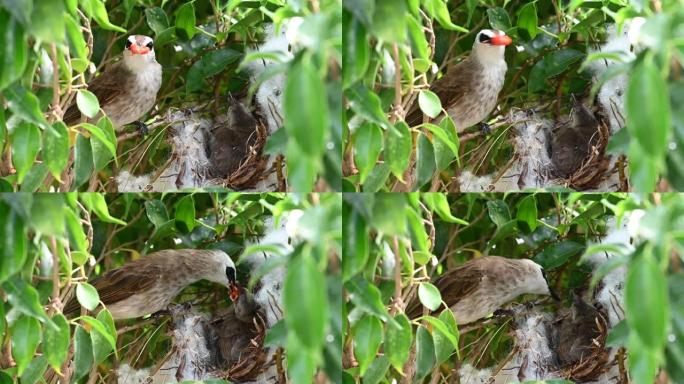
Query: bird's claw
[486, 129]
[142, 127]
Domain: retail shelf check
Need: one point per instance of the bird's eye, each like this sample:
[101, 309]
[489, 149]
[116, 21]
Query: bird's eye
[484, 38]
[149, 45]
[230, 274]
[128, 44]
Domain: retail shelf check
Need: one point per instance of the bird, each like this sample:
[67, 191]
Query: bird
[229, 143]
[481, 286]
[149, 284]
[577, 332]
[127, 89]
[571, 140]
[469, 90]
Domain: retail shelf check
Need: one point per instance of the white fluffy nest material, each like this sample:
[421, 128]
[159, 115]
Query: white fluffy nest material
[537, 352]
[198, 347]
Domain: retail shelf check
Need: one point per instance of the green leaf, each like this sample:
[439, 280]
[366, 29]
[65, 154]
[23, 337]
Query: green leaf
[367, 339]
[377, 370]
[25, 338]
[24, 298]
[498, 19]
[398, 340]
[419, 237]
[99, 13]
[47, 214]
[307, 123]
[389, 21]
[77, 44]
[387, 217]
[398, 145]
[527, 212]
[557, 254]
[425, 161]
[13, 47]
[527, 19]
[368, 140]
[366, 297]
[102, 137]
[438, 10]
[56, 342]
[356, 244]
[429, 103]
[498, 212]
[648, 109]
[156, 212]
[101, 343]
[87, 295]
[429, 296]
[96, 203]
[56, 148]
[100, 328]
[367, 104]
[33, 372]
[551, 65]
[83, 353]
[357, 52]
[419, 45]
[47, 20]
[25, 105]
[648, 318]
[301, 168]
[438, 202]
[425, 353]
[306, 301]
[446, 341]
[83, 161]
[185, 212]
[156, 19]
[25, 139]
[185, 19]
[13, 242]
[441, 134]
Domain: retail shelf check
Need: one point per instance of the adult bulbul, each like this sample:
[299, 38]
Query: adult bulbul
[480, 286]
[148, 285]
[469, 90]
[127, 89]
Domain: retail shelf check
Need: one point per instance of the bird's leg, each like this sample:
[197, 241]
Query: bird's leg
[503, 312]
[486, 129]
[142, 127]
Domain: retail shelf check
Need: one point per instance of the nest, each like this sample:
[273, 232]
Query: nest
[595, 362]
[241, 356]
[595, 167]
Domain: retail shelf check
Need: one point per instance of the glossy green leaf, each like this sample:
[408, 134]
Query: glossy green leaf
[387, 217]
[185, 212]
[24, 298]
[557, 254]
[100, 328]
[77, 43]
[438, 202]
[389, 21]
[498, 19]
[368, 144]
[99, 13]
[356, 244]
[25, 139]
[13, 242]
[156, 212]
[47, 214]
[307, 123]
[306, 301]
[429, 103]
[34, 371]
[438, 10]
[398, 145]
[425, 161]
[377, 370]
[419, 44]
[25, 105]
[25, 338]
[13, 48]
[87, 296]
[367, 104]
[101, 343]
[367, 339]
[446, 338]
[429, 296]
[498, 212]
[47, 21]
[527, 19]
[156, 19]
[398, 340]
[83, 353]
[442, 135]
[425, 353]
[96, 203]
[56, 148]
[83, 161]
[185, 19]
[56, 342]
[366, 297]
[357, 50]
[527, 212]
[648, 318]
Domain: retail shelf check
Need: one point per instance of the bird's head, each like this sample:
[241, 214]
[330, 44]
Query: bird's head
[490, 45]
[139, 52]
[224, 273]
[538, 283]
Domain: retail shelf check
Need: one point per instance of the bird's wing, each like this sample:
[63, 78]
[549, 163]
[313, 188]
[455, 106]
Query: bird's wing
[453, 286]
[106, 88]
[120, 283]
[450, 88]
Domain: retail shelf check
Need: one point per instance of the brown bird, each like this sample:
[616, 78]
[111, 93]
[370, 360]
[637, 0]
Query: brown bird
[148, 285]
[571, 140]
[577, 332]
[229, 142]
[127, 89]
[469, 90]
[480, 286]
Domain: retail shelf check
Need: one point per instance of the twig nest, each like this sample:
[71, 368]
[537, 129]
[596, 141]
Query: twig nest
[240, 330]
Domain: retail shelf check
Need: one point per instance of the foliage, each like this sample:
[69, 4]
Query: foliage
[395, 49]
[394, 244]
[53, 243]
[51, 48]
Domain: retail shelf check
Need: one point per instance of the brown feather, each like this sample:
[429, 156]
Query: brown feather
[106, 87]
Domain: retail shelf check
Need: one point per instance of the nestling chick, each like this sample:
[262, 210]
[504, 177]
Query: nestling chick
[230, 141]
[571, 141]
[576, 332]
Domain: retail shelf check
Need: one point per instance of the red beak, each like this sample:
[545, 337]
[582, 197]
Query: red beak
[501, 40]
[139, 50]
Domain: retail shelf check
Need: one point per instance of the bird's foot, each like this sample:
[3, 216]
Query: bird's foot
[486, 129]
[142, 127]
[503, 312]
